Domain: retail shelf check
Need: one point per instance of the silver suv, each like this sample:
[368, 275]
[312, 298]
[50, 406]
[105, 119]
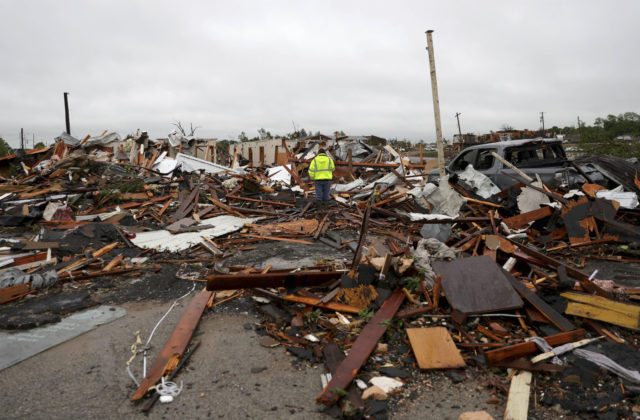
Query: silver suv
[544, 157]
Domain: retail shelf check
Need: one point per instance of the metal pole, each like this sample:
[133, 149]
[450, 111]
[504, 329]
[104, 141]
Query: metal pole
[436, 104]
[542, 121]
[66, 112]
[22, 138]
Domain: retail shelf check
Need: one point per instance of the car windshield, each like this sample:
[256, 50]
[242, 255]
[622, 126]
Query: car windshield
[535, 155]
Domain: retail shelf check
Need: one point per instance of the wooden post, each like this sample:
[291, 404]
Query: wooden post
[350, 163]
[436, 104]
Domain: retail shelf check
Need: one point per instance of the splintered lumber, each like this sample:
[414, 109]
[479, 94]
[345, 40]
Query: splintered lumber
[117, 260]
[543, 307]
[9, 293]
[520, 220]
[176, 345]
[361, 349]
[331, 306]
[527, 348]
[602, 309]
[274, 238]
[572, 272]
[564, 349]
[434, 348]
[518, 399]
[99, 253]
[288, 280]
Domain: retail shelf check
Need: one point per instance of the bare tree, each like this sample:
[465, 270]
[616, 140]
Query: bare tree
[192, 130]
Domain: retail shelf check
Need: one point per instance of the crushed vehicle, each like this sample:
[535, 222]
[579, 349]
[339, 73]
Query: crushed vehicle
[541, 156]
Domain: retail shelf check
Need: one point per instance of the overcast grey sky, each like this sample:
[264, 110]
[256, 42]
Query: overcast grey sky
[357, 66]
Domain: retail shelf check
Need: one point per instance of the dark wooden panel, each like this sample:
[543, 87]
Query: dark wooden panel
[476, 285]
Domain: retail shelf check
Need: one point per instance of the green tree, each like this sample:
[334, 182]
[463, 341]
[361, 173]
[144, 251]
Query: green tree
[242, 137]
[40, 145]
[5, 149]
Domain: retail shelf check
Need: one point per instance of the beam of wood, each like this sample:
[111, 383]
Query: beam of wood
[274, 238]
[9, 293]
[296, 178]
[288, 280]
[576, 274]
[518, 399]
[114, 262]
[527, 348]
[361, 349]
[99, 253]
[523, 219]
[176, 345]
[275, 203]
[224, 207]
[551, 314]
[330, 306]
[602, 309]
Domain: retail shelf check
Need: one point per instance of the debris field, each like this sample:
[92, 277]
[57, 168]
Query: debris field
[402, 278]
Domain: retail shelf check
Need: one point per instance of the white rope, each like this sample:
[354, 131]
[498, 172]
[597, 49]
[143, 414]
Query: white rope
[168, 388]
[146, 345]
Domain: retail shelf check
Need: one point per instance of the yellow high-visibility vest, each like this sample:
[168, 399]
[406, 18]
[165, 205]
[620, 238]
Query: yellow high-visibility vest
[321, 167]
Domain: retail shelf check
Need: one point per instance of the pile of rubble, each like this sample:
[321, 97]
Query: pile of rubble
[413, 276]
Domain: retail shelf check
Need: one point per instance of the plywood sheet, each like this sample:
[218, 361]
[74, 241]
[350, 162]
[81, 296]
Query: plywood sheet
[434, 348]
[476, 285]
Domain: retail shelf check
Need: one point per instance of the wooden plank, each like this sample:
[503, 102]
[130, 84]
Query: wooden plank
[361, 349]
[576, 274]
[518, 399]
[114, 262]
[611, 316]
[176, 345]
[527, 348]
[551, 314]
[331, 306]
[273, 238]
[99, 253]
[523, 219]
[8, 293]
[434, 348]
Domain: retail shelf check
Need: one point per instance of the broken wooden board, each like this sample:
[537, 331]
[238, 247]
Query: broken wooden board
[602, 309]
[288, 280]
[476, 285]
[522, 220]
[579, 221]
[306, 226]
[361, 349]
[518, 399]
[9, 293]
[434, 348]
[333, 356]
[543, 307]
[527, 348]
[176, 344]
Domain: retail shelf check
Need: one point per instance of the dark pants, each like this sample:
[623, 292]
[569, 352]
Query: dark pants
[322, 190]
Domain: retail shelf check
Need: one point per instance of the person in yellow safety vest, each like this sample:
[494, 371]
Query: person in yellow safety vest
[321, 171]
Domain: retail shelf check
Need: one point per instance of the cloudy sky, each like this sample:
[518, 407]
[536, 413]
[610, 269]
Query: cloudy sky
[356, 66]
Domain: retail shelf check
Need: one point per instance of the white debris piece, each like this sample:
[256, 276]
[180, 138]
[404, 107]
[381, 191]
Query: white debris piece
[163, 240]
[627, 200]
[358, 183]
[280, 174]
[478, 182]
[530, 199]
[443, 198]
[385, 383]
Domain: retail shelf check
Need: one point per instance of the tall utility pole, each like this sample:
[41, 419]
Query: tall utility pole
[459, 130]
[22, 138]
[436, 104]
[542, 121]
[66, 112]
